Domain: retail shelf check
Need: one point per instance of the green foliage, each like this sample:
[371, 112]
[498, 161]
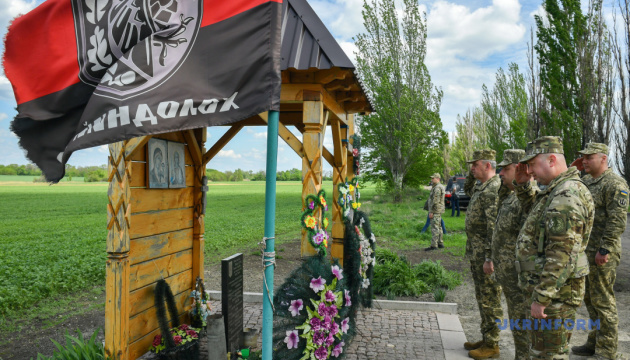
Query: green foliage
[384, 255]
[96, 175]
[404, 136]
[434, 274]
[77, 348]
[15, 169]
[439, 295]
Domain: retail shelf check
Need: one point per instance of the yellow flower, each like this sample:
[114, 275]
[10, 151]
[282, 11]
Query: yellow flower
[355, 205]
[350, 188]
[310, 222]
[325, 243]
[322, 201]
[325, 222]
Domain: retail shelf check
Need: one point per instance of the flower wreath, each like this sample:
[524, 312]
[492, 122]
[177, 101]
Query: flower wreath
[315, 223]
[314, 320]
[361, 257]
[349, 196]
[356, 153]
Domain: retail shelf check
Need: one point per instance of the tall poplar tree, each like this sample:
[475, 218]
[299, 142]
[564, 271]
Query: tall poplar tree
[404, 136]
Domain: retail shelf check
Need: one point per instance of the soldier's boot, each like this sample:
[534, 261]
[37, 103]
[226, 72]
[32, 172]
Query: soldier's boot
[485, 352]
[473, 345]
[583, 350]
[441, 241]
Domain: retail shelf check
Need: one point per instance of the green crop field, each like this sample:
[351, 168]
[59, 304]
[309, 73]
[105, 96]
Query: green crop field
[52, 238]
[30, 178]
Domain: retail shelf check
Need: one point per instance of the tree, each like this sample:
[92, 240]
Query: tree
[622, 108]
[403, 138]
[471, 135]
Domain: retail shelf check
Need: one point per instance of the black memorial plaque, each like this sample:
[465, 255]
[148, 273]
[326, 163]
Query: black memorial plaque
[232, 300]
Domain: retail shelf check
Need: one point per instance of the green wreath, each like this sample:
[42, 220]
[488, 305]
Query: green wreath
[315, 222]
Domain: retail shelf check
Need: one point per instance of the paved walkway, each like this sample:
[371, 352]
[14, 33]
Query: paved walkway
[391, 334]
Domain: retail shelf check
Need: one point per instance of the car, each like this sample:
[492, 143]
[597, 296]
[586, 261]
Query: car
[464, 199]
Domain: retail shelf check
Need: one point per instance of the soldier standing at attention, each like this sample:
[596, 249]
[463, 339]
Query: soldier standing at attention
[510, 218]
[550, 256]
[436, 209]
[610, 194]
[480, 219]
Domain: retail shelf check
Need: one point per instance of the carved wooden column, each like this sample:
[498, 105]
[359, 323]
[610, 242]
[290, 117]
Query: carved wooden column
[313, 118]
[339, 133]
[200, 199]
[350, 167]
[117, 268]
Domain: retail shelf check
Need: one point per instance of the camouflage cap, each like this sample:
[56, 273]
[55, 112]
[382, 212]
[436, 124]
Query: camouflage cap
[511, 156]
[543, 145]
[436, 175]
[485, 154]
[594, 148]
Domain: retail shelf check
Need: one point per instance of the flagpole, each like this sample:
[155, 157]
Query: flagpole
[270, 217]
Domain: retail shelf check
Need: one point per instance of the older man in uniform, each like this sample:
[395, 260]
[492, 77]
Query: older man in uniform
[551, 261]
[610, 194]
[436, 209]
[509, 221]
[480, 219]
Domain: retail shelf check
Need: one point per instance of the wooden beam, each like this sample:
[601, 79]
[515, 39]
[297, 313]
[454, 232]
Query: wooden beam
[193, 147]
[355, 107]
[295, 93]
[134, 144]
[326, 76]
[345, 84]
[328, 156]
[214, 150]
[289, 138]
[335, 128]
[353, 96]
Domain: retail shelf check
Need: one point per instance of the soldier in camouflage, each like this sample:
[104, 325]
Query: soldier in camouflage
[480, 219]
[436, 209]
[610, 194]
[510, 218]
[551, 262]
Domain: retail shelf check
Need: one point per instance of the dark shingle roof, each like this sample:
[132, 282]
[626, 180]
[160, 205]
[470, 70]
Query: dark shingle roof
[306, 42]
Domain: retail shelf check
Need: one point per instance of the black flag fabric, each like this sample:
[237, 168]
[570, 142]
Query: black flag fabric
[93, 72]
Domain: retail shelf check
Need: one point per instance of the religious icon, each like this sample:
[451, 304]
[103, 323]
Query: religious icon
[157, 164]
[177, 173]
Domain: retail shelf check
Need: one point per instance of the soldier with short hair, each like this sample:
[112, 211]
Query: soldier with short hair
[610, 194]
[436, 209]
[480, 219]
[550, 258]
[510, 218]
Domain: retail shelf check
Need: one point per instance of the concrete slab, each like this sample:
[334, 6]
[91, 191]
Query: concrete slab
[456, 354]
[449, 322]
[452, 340]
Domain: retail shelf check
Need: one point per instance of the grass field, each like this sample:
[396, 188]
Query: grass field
[29, 179]
[52, 238]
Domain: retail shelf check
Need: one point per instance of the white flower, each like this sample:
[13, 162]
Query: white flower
[366, 283]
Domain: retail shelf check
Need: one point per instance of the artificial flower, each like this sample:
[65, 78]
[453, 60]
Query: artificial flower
[296, 306]
[337, 272]
[318, 284]
[355, 152]
[319, 337]
[315, 324]
[292, 339]
[330, 296]
[355, 205]
[345, 326]
[329, 339]
[321, 353]
[319, 238]
[338, 349]
[334, 329]
[366, 283]
[323, 202]
[311, 205]
[310, 221]
[326, 222]
[347, 298]
[321, 309]
[351, 188]
[177, 339]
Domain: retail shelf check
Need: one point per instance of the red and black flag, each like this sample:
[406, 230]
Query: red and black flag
[93, 72]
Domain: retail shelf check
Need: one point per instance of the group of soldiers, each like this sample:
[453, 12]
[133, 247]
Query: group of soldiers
[548, 239]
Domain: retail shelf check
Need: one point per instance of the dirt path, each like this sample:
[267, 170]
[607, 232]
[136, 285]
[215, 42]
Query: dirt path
[469, 313]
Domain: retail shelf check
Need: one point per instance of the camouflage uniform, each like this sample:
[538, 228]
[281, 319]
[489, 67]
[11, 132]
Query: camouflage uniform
[480, 219]
[436, 207]
[508, 224]
[551, 262]
[610, 194]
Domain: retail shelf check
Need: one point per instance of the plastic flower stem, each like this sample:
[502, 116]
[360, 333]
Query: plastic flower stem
[270, 216]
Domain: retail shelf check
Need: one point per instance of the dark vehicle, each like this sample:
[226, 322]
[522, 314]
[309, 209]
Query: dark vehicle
[463, 198]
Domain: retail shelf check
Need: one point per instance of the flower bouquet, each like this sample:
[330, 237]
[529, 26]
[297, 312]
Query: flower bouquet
[200, 306]
[315, 222]
[180, 342]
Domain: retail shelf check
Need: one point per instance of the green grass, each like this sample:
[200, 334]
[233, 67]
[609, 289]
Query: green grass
[29, 178]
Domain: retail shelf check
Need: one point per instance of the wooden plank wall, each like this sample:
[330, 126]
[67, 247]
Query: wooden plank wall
[161, 246]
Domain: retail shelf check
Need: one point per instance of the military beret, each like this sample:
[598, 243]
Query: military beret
[544, 145]
[511, 156]
[485, 154]
[594, 148]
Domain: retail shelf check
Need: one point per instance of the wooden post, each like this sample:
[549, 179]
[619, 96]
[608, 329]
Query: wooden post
[198, 193]
[313, 118]
[350, 167]
[117, 268]
[339, 177]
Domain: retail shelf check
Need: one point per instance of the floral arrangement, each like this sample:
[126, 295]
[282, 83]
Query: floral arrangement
[200, 305]
[314, 318]
[182, 335]
[360, 258]
[315, 222]
[349, 196]
[368, 257]
[356, 153]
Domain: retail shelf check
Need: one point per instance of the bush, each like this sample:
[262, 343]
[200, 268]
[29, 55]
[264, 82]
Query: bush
[385, 255]
[436, 275]
[95, 176]
[77, 348]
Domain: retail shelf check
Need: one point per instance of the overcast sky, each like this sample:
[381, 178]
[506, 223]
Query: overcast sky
[468, 40]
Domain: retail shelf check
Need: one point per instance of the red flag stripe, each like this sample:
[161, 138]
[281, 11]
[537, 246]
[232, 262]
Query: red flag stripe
[218, 10]
[41, 51]
[44, 42]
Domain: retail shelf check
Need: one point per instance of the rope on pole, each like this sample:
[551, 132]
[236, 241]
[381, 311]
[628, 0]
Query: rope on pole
[268, 259]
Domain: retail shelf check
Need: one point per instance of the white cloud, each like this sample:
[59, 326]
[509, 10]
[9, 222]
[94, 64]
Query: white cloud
[103, 149]
[350, 49]
[229, 154]
[261, 135]
[3, 116]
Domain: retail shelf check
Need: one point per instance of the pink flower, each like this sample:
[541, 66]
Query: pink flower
[321, 309]
[334, 328]
[331, 310]
[316, 324]
[177, 339]
[319, 238]
[311, 205]
[321, 353]
[318, 284]
[157, 340]
[337, 272]
[355, 152]
[330, 296]
[344, 325]
[192, 333]
[296, 306]
[330, 339]
[183, 327]
[347, 297]
[319, 337]
[327, 324]
[338, 349]
[292, 339]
